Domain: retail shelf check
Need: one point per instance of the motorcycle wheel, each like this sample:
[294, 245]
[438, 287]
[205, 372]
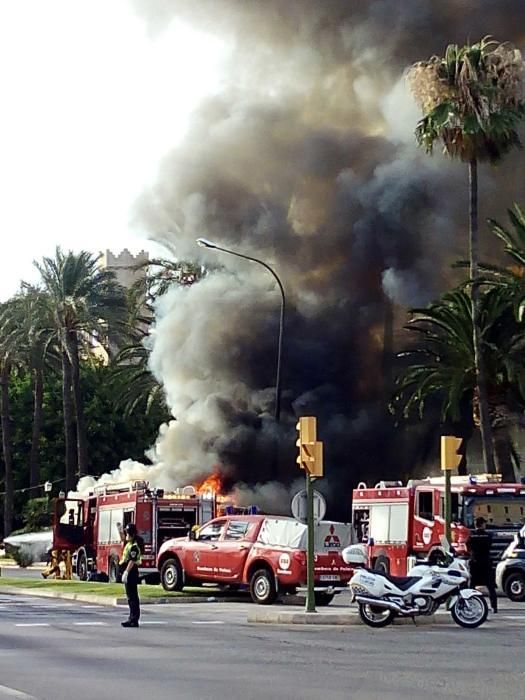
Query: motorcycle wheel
[374, 616]
[470, 613]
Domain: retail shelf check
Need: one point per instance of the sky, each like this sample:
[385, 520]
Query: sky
[90, 104]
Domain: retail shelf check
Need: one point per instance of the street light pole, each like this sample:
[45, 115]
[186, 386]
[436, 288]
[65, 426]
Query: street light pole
[204, 243]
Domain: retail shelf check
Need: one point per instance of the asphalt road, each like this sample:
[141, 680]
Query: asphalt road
[51, 649]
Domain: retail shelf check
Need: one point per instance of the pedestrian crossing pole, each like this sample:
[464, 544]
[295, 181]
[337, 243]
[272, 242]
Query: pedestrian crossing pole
[449, 460]
[311, 460]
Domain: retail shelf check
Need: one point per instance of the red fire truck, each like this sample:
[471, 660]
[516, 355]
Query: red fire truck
[402, 524]
[90, 527]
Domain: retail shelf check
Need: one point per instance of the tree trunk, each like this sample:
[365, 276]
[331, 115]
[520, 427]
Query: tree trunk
[79, 406]
[486, 433]
[7, 449]
[503, 449]
[38, 421]
[69, 424]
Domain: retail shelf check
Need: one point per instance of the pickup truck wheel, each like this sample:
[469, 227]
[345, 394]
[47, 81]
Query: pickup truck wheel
[262, 587]
[322, 599]
[171, 575]
[514, 587]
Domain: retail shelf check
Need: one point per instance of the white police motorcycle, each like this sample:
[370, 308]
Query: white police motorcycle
[382, 597]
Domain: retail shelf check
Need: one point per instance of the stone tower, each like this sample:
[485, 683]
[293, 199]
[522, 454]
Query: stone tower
[123, 265]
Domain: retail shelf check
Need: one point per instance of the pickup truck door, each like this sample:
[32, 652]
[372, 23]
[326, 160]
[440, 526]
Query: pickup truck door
[233, 550]
[201, 557]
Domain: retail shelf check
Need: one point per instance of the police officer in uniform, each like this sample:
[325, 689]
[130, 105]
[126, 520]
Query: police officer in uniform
[481, 571]
[129, 566]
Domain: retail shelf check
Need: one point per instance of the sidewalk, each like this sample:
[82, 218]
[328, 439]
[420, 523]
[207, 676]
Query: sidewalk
[11, 564]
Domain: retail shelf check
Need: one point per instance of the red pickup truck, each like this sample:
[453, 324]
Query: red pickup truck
[266, 553]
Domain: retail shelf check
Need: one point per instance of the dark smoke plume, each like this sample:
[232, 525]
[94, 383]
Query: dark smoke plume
[307, 160]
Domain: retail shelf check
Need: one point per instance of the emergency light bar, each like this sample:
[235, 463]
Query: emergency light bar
[122, 487]
[470, 480]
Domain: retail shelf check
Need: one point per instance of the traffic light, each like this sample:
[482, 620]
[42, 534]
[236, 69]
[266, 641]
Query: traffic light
[310, 449]
[450, 458]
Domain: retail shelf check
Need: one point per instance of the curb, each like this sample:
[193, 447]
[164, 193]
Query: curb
[272, 617]
[81, 597]
[107, 600]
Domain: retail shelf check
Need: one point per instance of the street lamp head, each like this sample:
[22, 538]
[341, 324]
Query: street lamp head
[205, 243]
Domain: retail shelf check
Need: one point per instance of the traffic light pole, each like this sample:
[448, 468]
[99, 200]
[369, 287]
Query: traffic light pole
[310, 594]
[448, 506]
[450, 459]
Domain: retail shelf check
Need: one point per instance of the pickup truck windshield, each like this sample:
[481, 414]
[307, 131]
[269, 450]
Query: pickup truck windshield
[501, 510]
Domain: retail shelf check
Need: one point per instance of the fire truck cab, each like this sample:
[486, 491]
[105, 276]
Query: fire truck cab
[403, 524]
[91, 527]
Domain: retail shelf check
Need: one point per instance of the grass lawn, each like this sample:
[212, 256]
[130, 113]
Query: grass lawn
[111, 590]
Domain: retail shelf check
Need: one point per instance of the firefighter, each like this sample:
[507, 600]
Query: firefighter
[481, 571]
[130, 562]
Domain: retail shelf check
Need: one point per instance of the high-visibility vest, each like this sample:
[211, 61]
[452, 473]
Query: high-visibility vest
[126, 553]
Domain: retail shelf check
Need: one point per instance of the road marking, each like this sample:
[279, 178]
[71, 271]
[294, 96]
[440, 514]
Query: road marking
[32, 624]
[90, 624]
[513, 617]
[60, 605]
[14, 693]
[153, 622]
[91, 607]
[207, 622]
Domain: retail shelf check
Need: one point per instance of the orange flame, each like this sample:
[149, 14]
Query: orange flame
[212, 483]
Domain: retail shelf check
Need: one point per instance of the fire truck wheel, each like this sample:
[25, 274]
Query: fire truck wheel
[382, 564]
[322, 599]
[82, 568]
[113, 570]
[171, 575]
[514, 587]
[262, 587]
[436, 556]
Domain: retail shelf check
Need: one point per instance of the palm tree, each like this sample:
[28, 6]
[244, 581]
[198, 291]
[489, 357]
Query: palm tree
[511, 277]
[87, 303]
[26, 326]
[8, 360]
[136, 388]
[472, 102]
[161, 275]
[442, 365]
